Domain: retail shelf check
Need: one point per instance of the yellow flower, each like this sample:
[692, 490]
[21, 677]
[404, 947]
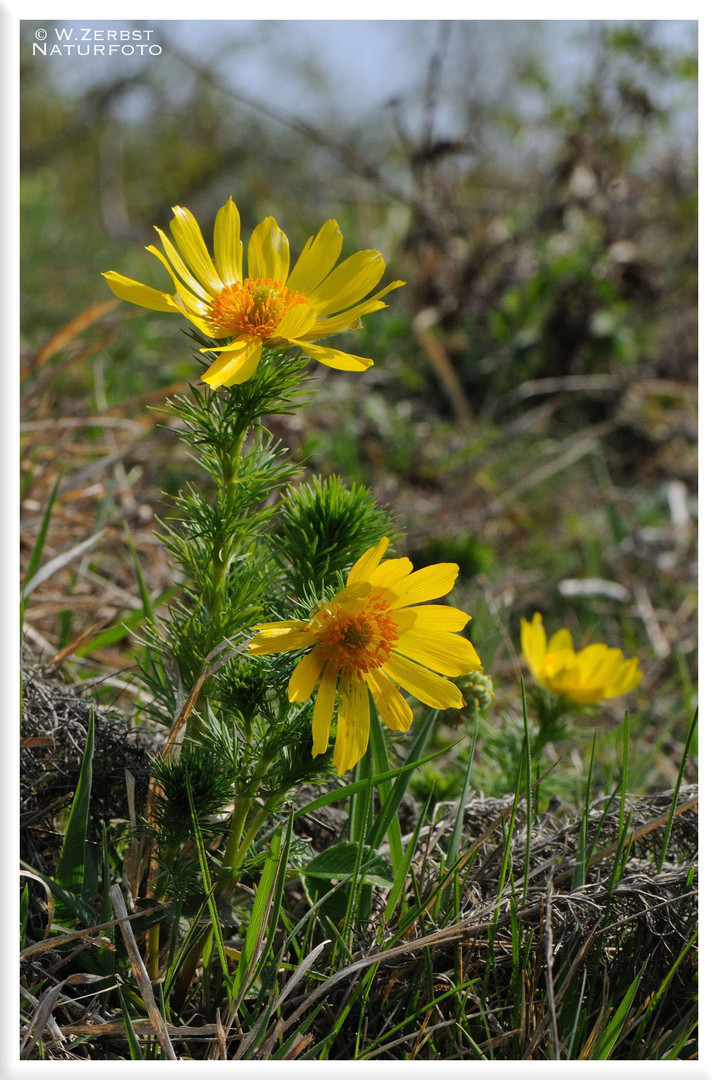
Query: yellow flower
[270, 306]
[372, 638]
[590, 675]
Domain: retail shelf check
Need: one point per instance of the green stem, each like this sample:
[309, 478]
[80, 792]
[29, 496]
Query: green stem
[260, 815]
[232, 862]
[242, 804]
[238, 842]
[170, 855]
[153, 952]
[222, 556]
[235, 850]
[234, 856]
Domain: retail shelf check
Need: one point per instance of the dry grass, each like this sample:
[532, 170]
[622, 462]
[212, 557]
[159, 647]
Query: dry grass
[613, 926]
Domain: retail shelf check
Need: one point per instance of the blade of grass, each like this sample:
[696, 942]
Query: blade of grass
[70, 872]
[24, 908]
[49, 568]
[147, 604]
[260, 1027]
[140, 972]
[579, 874]
[389, 809]
[623, 846]
[676, 790]
[65, 898]
[349, 789]
[267, 896]
[360, 802]
[577, 1015]
[132, 1040]
[379, 755]
[207, 884]
[423, 905]
[372, 1049]
[359, 902]
[681, 1035]
[119, 630]
[192, 937]
[613, 1030]
[529, 792]
[508, 833]
[657, 997]
[452, 852]
[39, 545]
[398, 889]
[365, 1008]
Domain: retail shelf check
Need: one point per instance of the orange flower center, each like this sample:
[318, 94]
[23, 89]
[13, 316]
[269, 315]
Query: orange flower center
[358, 641]
[253, 307]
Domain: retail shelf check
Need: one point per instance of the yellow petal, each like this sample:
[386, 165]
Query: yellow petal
[305, 676]
[317, 259]
[432, 689]
[560, 641]
[426, 584]
[275, 638]
[193, 295]
[348, 283]
[439, 617]
[393, 709]
[616, 675]
[338, 324]
[589, 676]
[596, 662]
[626, 679]
[189, 240]
[297, 320]
[369, 561]
[570, 684]
[324, 709]
[187, 302]
[334, 358]
[239, 343]
[137, 293]
[449, 654]
[246, 367]
[350, 597]
[268, 252]
[533, 643]
[227, 244]
[404, 619]
[231, 368]
[352, 722]
[562, 663]
[391, 571]
[280, 624]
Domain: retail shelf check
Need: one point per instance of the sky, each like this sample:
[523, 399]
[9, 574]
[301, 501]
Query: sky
[359, 65]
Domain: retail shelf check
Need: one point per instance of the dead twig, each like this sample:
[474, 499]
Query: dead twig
[140, 973]
[450, 382]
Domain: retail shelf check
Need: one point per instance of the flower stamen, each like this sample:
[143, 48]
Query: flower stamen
[253, 307]
[358, 641]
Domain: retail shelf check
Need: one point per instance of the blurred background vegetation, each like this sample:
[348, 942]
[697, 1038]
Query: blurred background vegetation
[532, 409]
